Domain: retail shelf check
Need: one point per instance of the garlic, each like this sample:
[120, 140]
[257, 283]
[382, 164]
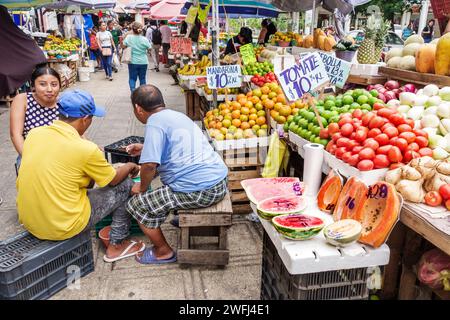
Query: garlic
[411, 190]
[393, 176]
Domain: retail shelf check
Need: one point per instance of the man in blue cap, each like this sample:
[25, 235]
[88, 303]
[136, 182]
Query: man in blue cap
[59, 167]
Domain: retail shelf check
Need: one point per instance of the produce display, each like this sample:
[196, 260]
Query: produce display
[286, 39]
[371, 47]
[423, 180]
[223, 91]
[196, 69]
[298, 226]
[258, 68]
[59, 48]
[262, 80]
[343, 233]
[260, 189]
[271, 207]
[240, 119]
[329, 192]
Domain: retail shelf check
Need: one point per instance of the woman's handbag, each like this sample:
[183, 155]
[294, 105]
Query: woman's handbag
[106, 51]
[126, 55]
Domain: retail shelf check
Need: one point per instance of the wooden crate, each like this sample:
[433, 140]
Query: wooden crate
[242, 164]
[193, 105]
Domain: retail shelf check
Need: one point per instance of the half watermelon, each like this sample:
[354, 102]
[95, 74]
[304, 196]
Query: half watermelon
[260, 189]
[298, 226]
[269, 208]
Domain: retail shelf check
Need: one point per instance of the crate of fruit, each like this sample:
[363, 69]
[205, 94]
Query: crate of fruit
[254, 142]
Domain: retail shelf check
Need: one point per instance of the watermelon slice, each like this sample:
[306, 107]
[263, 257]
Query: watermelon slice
[271, 207]
[260, 189]
[298, 226]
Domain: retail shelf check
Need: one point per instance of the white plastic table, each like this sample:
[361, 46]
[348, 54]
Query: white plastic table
[316, 255]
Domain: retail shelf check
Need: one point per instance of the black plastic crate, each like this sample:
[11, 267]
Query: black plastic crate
[34, 269]
[115, 152]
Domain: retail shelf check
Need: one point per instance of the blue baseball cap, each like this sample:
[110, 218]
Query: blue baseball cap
[79, 104]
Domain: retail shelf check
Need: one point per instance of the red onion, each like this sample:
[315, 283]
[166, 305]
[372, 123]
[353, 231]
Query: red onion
[390, 95]
[409, 88]
[370, 87]
[392, 84]
[382, 90]
[397, 92]
[381, 97]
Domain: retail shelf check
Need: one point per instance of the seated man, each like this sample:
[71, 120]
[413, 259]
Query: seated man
[57, 169]
[193, 174]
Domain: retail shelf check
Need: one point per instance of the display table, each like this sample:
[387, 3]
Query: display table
[415, 77]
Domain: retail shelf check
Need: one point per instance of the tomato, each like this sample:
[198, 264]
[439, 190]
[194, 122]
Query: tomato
[346, 156]
[420, 133]
[394, 154]
[396, 165]
[402, 144]
[410, 154]
[381, 161]
[404, 128]
[371, 143]
[330, 144]
[426, 152]
[393, 140]
[336, 136]
[367, 118]
[360, 135]
[376, 122]
[433, 198]
[333, 149]
[333, 128]
[387, 125]
[357, 114]
[408, 136]
[342, 142]
[396, 119]
[373, 132]
[344, 120]
[324, 133]
[340, 152]
[421, 141]
[353, 135]
[384, 149]
[444, 191]
[386, 112]
[366, 154]
[382, 139]
[391, 132]
[413, 147]
[378, 106]
[351, 144]
[365, 165]
[353, 160]
[346, 129]
[410, 122]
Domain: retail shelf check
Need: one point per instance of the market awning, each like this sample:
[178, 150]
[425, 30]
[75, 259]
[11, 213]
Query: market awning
[344, 6]
[166, 10]
[91, 4]
[22, 4]
[239, 8]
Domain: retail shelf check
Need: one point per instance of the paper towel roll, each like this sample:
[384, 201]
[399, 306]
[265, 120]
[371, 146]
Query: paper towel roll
[312, 169]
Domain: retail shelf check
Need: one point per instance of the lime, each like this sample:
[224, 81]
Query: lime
[324, 121]
[297, 119]
[362, 99]
[330, 97]
[286, 127]
[348, 92]
[316, 130]
[293, 127]
[307, 135]
[320, 103]
[334, 108]
[374, 93]
[324, 142]
[344, 109]
[372, 100]
[347, 99]
[317, 140]
[329, 104]
[334, 119]
[338, 103]
[355, 105]
[310, 126]
[365, 106]
[299, 131]
[311, 137]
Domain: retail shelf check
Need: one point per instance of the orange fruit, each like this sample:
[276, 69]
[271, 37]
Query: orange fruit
[253, 110]
[235, 114]
[265, 90]
[261, 113]
[274, 113]
[236, 123]
[249, 104]
[245, 110]
[269, 104]
[249, 94]
[211, 124]
[208, 114]
[281, 98]
[253, 116]
[243, 118]
[285, 111]
[254, 100]
[259, 106]
[251, 123]
[261, 120]
[226, 123]
[295, 110]
[235, 105]
[264, 97]
[218, 125]
[278, 106]
[242, 101]
[280, 119]
[245, 125]
[240, 96]
[272, 95]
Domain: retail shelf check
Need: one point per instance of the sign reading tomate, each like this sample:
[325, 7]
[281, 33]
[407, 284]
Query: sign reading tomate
[219, 77]
[304, 77]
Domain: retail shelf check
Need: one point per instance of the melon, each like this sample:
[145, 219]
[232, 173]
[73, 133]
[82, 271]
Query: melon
[394, 62]
[415, 38]
[329, 192]
[379, 215]
[269, 208]
[260, 189]
[411, 49]
[351, 200]
[408, 63]
[394, 52]
[298, 226]
[343, 232]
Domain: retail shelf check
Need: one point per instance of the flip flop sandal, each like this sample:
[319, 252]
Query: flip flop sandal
[125, 253]
[149, 257]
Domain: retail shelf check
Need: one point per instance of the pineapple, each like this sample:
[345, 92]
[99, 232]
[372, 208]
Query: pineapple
[375, 37]
[380, 37]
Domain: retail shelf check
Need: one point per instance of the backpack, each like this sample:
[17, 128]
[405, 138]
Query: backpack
[156, 37]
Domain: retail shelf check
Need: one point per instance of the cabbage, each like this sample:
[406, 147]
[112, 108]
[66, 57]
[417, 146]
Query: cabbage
[444, 93]
[416, 113]
[434, 101]
[430, 121]
[443, 110]
[403, 108]
[431, 90]
[407, 98]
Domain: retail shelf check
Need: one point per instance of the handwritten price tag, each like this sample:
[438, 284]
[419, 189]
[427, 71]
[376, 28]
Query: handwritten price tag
[338, 70]
[297, 189]
[181, 45]
[219, 77]
[377, 191]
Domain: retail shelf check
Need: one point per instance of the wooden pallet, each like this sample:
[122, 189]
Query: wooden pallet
[415, 77]
[242, 164]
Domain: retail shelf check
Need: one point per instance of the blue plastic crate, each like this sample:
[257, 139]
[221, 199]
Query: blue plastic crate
[34, 269]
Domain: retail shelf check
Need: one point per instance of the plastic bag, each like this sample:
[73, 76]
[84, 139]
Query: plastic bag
[434, 269]
[115, 60]
[275, 156]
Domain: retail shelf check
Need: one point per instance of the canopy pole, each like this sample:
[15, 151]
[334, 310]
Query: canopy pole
[215, 43]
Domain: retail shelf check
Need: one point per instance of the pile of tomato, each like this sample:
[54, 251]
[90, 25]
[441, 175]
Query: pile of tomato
[381, 138]
[441, 197]
[262, 80]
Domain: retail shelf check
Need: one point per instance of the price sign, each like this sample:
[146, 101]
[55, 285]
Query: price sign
[181, 45]
[224, 76]
[248, 53]
[304, 77]
[337, 69]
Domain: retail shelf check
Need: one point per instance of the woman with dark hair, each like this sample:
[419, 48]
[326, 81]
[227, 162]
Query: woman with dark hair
[34, 109]
[140, 46]
[427, 33]
[244, 37]
[267, 29]
[106, 46]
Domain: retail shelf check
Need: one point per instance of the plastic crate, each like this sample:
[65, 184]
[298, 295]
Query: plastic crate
[106, 221]
[33, 269]
[115, 152]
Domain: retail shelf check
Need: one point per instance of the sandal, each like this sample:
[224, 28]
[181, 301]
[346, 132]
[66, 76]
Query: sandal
[125, 253]
[148, 257]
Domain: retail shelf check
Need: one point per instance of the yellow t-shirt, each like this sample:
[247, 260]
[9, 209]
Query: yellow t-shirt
[56, 169]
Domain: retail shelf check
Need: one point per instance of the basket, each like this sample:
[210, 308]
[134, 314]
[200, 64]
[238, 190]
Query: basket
[284, 44]
[115, 152]
[345, 55]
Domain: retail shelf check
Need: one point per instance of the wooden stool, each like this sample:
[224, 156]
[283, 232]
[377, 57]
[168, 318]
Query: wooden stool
[205, 222]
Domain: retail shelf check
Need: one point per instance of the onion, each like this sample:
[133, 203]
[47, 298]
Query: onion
[430, 121]
[415, 113]
[390, 95]
[402, 108]
[409, 88]
[370, 87]
[407, 98]
[382, 97]
[431, 90]
[393, 104]
[392, 84]
[382, 90]
[420, 100]
[397, 92]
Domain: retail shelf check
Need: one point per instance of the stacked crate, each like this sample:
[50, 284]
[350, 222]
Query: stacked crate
[193, 105]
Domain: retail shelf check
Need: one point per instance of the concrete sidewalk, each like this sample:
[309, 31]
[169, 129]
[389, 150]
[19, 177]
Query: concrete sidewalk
[127, 279]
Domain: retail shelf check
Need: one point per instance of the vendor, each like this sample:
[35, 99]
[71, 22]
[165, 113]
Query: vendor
[244, 37]
[268, 28]
[193, 174]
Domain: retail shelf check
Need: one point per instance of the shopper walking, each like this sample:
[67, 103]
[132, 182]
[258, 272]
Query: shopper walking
[116, 34]
[106, 46]
[94, 48]
[166, 34]
[140, 46]
[154, 37]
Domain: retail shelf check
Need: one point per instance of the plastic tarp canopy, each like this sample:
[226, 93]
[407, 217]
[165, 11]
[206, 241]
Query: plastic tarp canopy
[19, 55]
[344, 6]
[92, 4]
[240, 8]
[23, 4]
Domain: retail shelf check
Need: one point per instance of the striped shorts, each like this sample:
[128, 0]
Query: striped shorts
[152, 207]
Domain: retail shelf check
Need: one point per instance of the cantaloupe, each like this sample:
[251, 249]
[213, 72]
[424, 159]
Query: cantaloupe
[415, 38]
[329, 192]
[321, 42]
[425, 58]
[317, 33]
[394, 62]
[411, 49]
[442, 58]
[394, 52]
[408, 63]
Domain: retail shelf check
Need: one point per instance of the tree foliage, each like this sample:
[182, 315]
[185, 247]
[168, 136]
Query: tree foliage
[387, 8]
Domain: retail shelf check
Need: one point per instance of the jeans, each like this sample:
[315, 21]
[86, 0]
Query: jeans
[155, 55]
[166, 48]
[106, 63]
[135, 71]
[112, 200]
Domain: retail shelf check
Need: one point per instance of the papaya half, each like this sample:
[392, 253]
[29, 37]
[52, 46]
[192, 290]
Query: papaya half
[329, 192]
[351, 200]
